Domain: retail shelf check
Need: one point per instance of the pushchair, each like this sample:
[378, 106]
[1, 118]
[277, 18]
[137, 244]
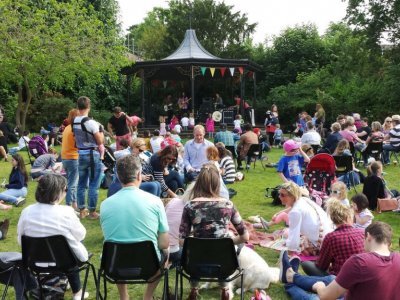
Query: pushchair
[109, 163]
[319, 176]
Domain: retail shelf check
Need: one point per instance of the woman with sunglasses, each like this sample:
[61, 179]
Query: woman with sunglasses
[138, 148]
[161, 164]
[308, 222]
[387, 125]
[47, 217]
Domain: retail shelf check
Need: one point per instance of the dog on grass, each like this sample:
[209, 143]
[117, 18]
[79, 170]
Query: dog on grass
[257, 273]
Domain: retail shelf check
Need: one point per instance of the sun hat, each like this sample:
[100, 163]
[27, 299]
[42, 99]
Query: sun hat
[395, 118]
[290, 145]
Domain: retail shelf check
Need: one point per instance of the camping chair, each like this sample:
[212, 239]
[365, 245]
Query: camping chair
[45, 257]
[208, 260]
[30, 156]
[344, 167]
[131, 263]
[253, 154]
[9, 263]
[374, 150]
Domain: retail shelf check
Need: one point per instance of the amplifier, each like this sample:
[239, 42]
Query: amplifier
[227, 116]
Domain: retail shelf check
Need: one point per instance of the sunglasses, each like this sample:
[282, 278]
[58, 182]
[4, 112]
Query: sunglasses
[335, 192]
[141, 150]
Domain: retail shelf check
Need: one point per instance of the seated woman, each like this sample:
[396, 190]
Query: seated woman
[355, 176]
[308, 223]
[374, 185]
[376, 136]
[208, 215]
[3, 146]
[47, 217]
[226, 164]
[16, 189]
[138, 148]
[45, 164]
[161, 164]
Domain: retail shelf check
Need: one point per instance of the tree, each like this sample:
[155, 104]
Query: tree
[375, 17]
[50, 44]
[221, 31]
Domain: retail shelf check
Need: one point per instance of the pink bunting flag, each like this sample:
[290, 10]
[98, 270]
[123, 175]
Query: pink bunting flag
[241, 70]
[222, 70]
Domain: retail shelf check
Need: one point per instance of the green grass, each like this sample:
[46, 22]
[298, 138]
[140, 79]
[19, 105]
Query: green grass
[250, 200]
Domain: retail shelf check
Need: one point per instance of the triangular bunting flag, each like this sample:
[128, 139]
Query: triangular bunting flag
[232, 70]
[203, 70]
[222, 70]
[212, 70]
[164, 83]
[241, 70]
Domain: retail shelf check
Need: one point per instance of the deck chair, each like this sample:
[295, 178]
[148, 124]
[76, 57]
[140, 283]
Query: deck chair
[208, 260]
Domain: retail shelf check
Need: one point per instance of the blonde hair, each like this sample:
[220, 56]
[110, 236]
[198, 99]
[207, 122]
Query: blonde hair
[137, 143]
[343, 190]
[376, 126]
[292, 188]
[341, 146]
[338, 212]
[207, 182]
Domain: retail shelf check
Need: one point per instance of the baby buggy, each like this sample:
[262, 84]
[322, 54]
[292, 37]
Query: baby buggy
[319, 176]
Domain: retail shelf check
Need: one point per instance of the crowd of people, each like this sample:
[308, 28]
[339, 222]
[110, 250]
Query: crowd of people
[339, 235]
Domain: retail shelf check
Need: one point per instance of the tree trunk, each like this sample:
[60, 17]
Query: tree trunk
[24, 100]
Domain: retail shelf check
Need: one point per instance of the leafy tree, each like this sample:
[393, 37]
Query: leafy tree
[220, 30]
[51, 44]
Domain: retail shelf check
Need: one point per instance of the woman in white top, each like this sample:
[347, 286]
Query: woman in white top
[47, 217]
[308, 223]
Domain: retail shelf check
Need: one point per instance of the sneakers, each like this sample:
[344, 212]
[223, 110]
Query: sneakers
[78, 295]
[180, 192]
[83, 213]
[284, 265]
[4, 228]
[93, 215]
[247, 167]
[294, 262]
[20, 201]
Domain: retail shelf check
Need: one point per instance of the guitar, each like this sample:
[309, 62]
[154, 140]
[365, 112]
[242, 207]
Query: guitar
[183, 103]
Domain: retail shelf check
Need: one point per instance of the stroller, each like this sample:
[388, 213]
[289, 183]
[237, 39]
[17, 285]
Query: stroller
[37, 146]
[109, 163]
[319, 176]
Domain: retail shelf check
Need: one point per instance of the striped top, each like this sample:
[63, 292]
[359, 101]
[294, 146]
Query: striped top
[228, 165]
[394, 134]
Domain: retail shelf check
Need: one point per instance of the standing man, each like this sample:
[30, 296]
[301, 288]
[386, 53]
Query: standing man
[88, 138]
[118, 128]
[224, 136]
[246, 140]
[132, 215]
[195, 155]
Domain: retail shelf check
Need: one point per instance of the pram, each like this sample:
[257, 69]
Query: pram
[109, 163]
[319, 176]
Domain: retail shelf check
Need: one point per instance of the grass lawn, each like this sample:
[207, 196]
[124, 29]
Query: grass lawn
[250, 200]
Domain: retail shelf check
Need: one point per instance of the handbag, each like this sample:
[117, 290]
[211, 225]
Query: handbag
[387, 204]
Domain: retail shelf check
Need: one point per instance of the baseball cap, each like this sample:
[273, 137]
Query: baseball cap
[290, 145]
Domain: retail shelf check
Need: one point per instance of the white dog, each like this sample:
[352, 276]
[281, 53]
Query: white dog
[257, 273]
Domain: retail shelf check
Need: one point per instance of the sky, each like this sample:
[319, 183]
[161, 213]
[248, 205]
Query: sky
[272, 16]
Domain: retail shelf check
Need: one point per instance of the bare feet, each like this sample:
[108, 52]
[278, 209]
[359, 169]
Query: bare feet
[5, 206]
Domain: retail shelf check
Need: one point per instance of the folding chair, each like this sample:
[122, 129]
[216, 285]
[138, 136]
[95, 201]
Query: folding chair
[208, 260]
[374, 150]
[131, 263]
[9, 262]
[254, 153]
[31, 158]
[49, 256]
[344, 166]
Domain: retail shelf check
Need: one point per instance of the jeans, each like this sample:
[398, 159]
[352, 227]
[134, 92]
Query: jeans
[311, 269]
[71, 168]
[173, 180]
[85, 174]
[386, 152]
[301, 287]
[191, 176]
[11, 195]
[152, 187]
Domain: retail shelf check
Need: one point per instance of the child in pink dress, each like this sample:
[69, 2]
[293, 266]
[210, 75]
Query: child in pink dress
[210, 126]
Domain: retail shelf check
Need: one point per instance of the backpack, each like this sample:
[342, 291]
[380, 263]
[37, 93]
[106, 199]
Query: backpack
[53, 288]
[37, 146]
[274, 194]
[84, 129]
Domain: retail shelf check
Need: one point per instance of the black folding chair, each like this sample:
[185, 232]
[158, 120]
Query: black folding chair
[131, 263]
[344, 167]
[49, 256]
[30, 156]
[254, 154]
[9, 263]
[209, 260]
[374, 150]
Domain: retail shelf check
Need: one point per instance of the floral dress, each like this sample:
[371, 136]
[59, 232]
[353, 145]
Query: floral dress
[210, 218]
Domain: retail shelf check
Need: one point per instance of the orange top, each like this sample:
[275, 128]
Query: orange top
[68, 147]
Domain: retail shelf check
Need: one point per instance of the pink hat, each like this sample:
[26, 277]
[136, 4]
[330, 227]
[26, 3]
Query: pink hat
[290, 145]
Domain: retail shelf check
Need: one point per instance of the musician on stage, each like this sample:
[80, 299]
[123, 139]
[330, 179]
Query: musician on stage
[246, 106]
[168, 108]
[219, 103]
[183, 103]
